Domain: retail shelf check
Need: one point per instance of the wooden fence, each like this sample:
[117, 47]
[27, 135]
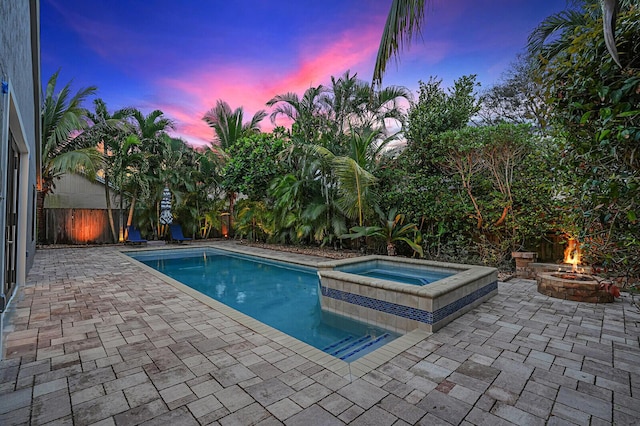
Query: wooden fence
[80, 226]
[551, 248]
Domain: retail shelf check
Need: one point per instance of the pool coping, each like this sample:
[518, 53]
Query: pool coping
[350, 371]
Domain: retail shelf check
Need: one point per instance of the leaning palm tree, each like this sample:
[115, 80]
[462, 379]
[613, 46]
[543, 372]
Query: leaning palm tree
[63, 118]
[406, 18]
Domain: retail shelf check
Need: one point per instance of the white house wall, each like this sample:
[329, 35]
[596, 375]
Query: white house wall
[20, 115]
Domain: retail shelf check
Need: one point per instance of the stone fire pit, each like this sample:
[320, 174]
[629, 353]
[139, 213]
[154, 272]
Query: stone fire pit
[572, 286]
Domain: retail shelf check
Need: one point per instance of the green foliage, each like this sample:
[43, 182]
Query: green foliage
[287, 191]
[391, 230]
[596, 107]
[435, 112]
[254, 220]
[62, 115]
[337, 141]
[229, 126]
[252, 164]
[477, 193]
[438, 111]
[516, 98]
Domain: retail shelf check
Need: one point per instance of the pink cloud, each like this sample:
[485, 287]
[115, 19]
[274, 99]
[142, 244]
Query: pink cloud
[188, 97]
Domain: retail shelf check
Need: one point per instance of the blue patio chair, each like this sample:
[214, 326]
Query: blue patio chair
[175, 230]
[134, 237]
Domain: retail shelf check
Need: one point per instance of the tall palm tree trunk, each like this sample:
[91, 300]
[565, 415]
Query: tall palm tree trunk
[132, 208]
[109, 209]
[232, 201]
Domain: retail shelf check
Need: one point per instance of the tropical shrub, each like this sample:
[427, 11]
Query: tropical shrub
[252, 164]
[596, 108]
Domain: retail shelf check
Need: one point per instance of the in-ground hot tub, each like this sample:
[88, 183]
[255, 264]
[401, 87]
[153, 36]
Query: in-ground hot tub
[404, 294]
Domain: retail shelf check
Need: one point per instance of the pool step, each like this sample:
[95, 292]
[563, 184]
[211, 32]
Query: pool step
[350, 347]
[337, 344]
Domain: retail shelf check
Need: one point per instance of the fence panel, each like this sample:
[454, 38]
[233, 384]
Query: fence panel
[551, 248]
[79, 226]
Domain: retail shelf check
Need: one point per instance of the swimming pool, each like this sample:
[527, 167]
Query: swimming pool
[281, 295]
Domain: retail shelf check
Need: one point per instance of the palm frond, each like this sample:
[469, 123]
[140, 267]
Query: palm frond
[403, 24]
[86, 161]
[546, 40]
[353, 189]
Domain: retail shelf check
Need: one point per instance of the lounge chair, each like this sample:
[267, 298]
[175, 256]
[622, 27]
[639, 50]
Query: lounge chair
[175, 232]
[134, 237]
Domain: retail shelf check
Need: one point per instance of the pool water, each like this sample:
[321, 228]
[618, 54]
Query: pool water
[403, 275]
[281, 295]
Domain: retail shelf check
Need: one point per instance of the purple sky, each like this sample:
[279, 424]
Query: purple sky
[181, 56]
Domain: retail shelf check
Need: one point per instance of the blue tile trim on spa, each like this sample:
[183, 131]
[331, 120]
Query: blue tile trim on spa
[407, 311]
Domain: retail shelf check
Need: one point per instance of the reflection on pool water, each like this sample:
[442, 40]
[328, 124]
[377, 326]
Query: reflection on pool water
[281, 295]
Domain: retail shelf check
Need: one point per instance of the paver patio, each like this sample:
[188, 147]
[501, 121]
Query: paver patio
[95, 339]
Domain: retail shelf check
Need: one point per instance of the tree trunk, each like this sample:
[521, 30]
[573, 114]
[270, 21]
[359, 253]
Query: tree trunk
[109, 211]
[232, 200]
[130, 217]
[120, 218]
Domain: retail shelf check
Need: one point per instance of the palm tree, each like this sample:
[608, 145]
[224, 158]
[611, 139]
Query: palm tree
[355, 104]
[406, 18]
[351, 174]
[306, 112]
[151, 131]
[63, 117]
[228, 124]
[176, 170]
[131, 172]
[228, 127]
[349, 97]
[336, 151]
[355, 172]
[203, 204]
[108, 132]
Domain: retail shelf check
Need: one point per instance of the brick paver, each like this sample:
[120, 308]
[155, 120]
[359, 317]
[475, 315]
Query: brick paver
[94, 338]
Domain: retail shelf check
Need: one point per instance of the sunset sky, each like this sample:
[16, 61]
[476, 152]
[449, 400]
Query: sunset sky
[182, 56]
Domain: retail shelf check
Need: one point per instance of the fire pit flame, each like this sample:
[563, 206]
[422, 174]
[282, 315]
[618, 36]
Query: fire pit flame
[572, 254]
